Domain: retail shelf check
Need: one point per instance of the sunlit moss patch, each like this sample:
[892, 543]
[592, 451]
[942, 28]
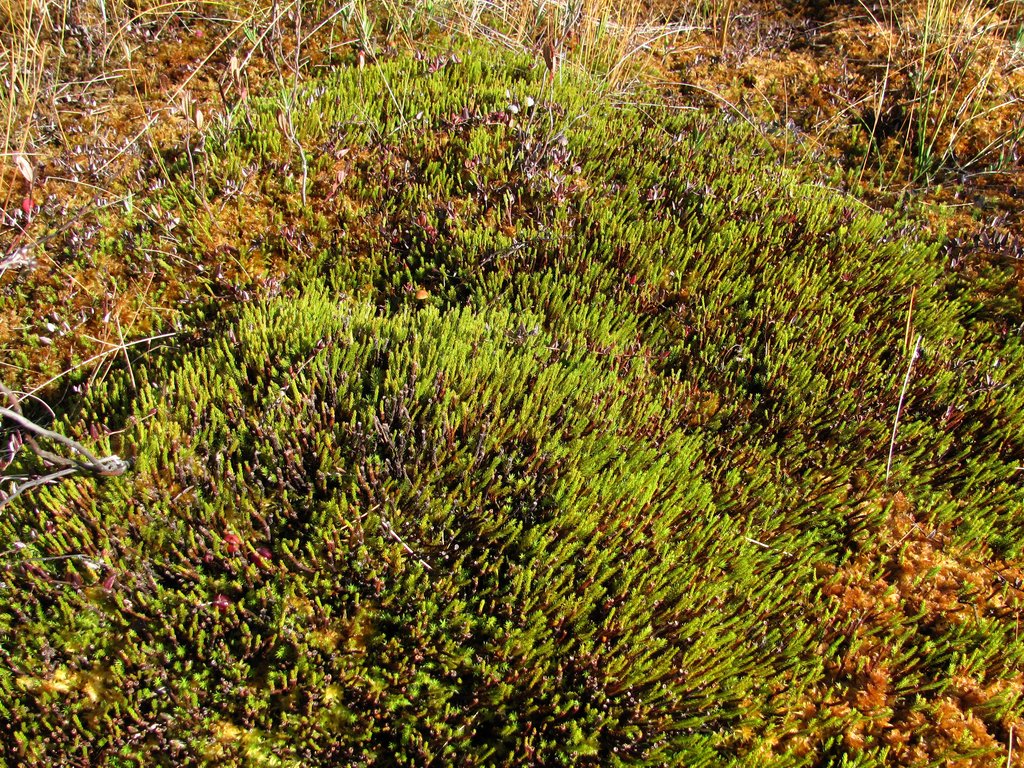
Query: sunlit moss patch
[570, 433]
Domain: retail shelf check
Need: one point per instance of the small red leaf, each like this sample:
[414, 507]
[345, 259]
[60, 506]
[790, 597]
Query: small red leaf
[232, 542]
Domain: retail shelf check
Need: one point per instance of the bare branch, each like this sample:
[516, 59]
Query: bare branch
[83, 459]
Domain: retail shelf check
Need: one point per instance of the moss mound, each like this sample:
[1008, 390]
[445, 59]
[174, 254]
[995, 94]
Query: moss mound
[561, 443]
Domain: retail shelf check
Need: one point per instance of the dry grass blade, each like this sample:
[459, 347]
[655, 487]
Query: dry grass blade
[899, 407]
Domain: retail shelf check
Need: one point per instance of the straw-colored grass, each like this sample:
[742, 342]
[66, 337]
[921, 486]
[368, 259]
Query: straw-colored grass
[941, 102]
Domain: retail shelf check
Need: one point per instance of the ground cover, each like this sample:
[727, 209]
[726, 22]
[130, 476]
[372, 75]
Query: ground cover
[509, 420]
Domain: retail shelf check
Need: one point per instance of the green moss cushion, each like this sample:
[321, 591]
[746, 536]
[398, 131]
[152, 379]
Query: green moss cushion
[544, 453]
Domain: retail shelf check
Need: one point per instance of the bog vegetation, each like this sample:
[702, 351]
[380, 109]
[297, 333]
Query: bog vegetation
[483, 405]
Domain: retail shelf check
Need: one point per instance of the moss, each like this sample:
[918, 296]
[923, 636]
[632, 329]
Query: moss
[563, 440]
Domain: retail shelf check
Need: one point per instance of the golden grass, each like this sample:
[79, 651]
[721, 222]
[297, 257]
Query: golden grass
[942, 90]
[602, 37]
[26, 27]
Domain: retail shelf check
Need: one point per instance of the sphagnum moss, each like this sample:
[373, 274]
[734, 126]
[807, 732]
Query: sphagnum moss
[566, 446]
